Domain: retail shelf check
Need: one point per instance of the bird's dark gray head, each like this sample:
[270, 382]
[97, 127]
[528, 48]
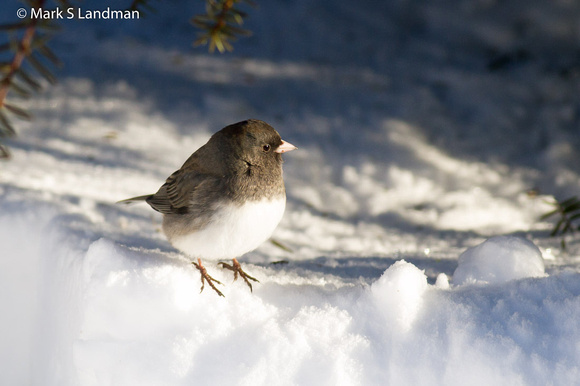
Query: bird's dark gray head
[253, 141]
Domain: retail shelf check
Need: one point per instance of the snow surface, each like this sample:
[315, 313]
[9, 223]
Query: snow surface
[498, 260]
[421, 128]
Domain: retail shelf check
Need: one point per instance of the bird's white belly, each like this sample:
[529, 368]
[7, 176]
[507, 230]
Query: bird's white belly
[234, 230]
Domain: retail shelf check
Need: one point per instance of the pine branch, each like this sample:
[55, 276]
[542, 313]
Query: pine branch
[6, 128]
[219, 24]
[568, 212]
[14, 77]
[22, 52]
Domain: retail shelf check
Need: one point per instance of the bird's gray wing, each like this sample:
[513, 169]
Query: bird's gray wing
[184, 192]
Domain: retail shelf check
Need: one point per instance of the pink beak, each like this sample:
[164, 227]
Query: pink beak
[284, 147]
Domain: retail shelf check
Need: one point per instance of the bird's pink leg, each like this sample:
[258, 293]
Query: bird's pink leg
[206, 277]
[237, 268]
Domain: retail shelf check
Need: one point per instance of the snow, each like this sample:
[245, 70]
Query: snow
[498, 260]
[398, 295]
[414, 250]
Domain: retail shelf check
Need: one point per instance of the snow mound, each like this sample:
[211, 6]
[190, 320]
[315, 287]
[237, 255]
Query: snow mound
[145, 323]
[398, 294]
[499, 259]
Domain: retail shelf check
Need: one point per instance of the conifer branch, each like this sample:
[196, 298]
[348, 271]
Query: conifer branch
[10, 72]
[220, 24]
[568, 212]
[14, 77]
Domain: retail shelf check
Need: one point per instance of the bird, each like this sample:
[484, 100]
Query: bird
[226, 199]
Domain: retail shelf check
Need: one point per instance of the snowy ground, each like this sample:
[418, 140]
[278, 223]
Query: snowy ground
[421, 127]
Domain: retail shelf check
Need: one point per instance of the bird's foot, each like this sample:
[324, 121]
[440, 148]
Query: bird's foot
[206, 277]
[237, 268]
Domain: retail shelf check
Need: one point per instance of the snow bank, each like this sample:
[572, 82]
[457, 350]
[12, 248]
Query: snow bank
[499, 259]
[146, 324]
[41, 291]
[100, 313]
[398, 295]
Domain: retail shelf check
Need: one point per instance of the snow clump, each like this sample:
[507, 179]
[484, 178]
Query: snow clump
[398, 294]
[498, 260]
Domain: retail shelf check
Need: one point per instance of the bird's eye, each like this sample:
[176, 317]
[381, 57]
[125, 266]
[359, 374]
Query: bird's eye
[266, 148]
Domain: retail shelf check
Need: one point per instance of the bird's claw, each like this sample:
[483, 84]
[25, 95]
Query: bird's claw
[206, 277]
[237, 268]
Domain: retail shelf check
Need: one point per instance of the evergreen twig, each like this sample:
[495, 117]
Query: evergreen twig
[14, 76]
[568, 212]
[220, 24]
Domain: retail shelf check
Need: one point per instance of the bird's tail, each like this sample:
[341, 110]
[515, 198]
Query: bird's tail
[134, 200]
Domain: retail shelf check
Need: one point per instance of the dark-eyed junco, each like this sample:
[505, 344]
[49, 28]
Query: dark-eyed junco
[227, 198]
